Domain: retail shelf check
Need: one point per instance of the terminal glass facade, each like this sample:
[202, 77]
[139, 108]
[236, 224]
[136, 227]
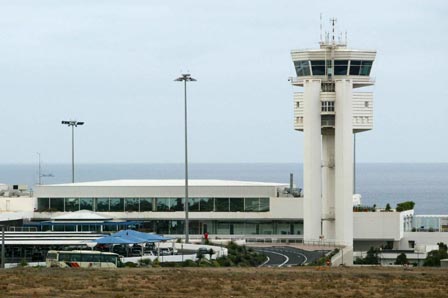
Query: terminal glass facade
[153, 204]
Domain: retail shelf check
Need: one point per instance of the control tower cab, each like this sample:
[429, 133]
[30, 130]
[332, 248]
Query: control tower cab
[329, 112]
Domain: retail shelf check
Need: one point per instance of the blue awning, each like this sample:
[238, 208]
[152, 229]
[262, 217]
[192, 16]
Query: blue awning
[113, 240]
[146, 236]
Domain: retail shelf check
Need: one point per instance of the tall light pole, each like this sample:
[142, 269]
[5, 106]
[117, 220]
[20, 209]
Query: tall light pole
[2, 264]
[186, 78]
[73, 124]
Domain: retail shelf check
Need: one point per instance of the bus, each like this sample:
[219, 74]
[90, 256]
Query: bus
[82, 259]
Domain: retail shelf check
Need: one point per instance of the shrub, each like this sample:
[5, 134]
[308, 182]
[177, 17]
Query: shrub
[130, 265]
[156, 263]
[189, 263]
[408, 205]
[433, 258]
[402, 259]
[23, 263]
[145, 262]
[322, 261]
[370, 259]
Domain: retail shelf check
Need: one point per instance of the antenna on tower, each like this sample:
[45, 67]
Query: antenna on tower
[321, 40]
[333, 24]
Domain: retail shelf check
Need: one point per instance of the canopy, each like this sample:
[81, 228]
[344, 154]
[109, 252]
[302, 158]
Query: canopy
[147, 237]
[113, 240]
[130, 237]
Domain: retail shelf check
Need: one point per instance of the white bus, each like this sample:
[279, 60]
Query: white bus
[82, 259]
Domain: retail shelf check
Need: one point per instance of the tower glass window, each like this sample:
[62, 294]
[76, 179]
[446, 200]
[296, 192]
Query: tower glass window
[302, 68]
[355, 66]
[318, 67]
[360, 68]
[340, 67]
[365, 68]
[327, 106]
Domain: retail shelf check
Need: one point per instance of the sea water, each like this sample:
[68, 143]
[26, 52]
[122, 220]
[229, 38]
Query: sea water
[378, 183]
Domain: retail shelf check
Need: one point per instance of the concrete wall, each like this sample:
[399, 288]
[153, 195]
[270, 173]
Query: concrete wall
[17, 204]
[80, 191]
[379, 225]
[423, 238]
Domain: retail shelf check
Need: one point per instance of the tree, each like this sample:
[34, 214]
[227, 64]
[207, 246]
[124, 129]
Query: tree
[433, 258]
[408, 205]
[370, 259]
[402, 259]
[388, 207]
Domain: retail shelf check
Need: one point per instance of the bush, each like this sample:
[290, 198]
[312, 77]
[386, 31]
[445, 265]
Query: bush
[189, 263]
[322, 261]
[433, 258]
[408, 205]
[241, 256]
[23, 263]
[145, 262]
[130, 265]
[364, 208]
[170, 264]
[156, 263]
[402, 259]
[370, 259]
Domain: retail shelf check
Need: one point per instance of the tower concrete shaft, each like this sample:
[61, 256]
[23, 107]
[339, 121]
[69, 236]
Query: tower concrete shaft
[329, 112]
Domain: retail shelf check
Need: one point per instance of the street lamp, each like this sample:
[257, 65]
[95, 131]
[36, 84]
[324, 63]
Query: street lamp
[186, 78]
[2, 264]
[73, 124]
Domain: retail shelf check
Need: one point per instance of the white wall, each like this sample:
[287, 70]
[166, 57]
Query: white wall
[17, 204]
[423, 238]
[377, 225]
[152, 191]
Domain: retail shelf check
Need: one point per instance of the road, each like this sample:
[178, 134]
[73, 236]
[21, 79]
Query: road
[284, 256]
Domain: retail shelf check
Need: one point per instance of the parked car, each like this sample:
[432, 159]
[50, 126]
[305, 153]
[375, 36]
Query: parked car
[166, 251]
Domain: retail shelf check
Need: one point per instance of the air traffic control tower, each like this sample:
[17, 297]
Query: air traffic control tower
[329, 110]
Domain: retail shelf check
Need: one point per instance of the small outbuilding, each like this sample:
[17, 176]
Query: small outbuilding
[444, 263]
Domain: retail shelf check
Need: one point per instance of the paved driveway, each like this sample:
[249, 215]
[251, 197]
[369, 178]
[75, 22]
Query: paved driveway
[283, 256]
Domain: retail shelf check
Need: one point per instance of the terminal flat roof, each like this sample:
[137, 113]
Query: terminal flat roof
[166, 182]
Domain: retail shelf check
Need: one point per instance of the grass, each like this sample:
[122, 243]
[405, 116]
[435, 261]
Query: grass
[224, 282]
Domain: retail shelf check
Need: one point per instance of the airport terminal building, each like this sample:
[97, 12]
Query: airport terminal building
[215, 206]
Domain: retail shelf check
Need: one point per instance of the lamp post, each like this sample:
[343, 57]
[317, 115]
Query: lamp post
[186, 78]
[2, 264]
[73, 124]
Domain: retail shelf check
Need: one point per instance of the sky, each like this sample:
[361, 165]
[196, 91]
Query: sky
[112, 64]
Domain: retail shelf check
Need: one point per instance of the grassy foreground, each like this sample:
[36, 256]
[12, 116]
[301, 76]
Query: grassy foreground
[224, 282]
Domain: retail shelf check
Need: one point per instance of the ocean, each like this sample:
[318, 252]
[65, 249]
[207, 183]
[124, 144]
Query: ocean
[378, 183]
